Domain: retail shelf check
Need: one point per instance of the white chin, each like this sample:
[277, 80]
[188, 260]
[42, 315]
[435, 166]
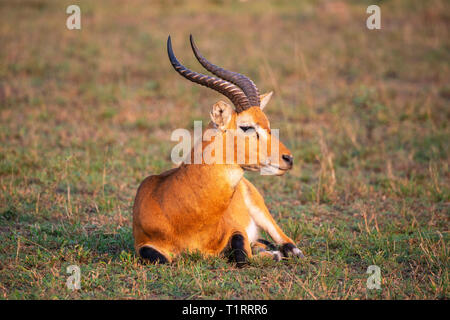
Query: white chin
[271, 171]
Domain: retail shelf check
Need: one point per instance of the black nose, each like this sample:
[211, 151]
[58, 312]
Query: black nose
[288, 158]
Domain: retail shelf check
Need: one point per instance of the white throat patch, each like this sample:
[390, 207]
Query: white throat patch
[234, 176]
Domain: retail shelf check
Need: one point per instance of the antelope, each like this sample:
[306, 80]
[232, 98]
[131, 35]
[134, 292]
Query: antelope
[212, 208]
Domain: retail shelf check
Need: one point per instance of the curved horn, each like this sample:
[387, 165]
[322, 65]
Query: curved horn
[232, 92]
[247, 85]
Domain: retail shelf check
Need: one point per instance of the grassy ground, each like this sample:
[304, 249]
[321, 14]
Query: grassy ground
[86, 115]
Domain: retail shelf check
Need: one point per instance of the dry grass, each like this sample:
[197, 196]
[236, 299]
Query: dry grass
[86, 115]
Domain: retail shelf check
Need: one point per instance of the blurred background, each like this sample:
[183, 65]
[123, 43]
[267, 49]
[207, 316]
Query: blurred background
[86, 115]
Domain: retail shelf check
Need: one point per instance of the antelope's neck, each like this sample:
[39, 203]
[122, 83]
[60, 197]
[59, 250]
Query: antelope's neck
[203, 192]
[212, 185]
[215, 177]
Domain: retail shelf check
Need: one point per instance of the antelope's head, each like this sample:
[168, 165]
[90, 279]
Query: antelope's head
[246, 121]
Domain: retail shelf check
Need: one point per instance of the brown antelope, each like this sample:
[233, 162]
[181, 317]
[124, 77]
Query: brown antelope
[212, 208]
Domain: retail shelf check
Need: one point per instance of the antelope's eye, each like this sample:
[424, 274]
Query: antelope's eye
[247, 128]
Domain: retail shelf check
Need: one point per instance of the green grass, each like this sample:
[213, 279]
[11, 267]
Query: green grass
[86, 115]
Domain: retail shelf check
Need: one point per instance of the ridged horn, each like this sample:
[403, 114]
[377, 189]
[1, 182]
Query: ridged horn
[247, 85]
[231, 91]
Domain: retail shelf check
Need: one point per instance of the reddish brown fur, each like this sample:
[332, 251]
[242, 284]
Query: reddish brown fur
[200, 206]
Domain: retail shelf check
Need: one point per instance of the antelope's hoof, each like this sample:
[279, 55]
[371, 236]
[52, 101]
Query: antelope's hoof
[276, 255]
[290, 250]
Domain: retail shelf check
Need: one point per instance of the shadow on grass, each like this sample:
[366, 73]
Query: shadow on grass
[66, 238]
[106, 242]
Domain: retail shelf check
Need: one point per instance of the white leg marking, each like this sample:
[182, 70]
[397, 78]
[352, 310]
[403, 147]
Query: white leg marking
[261, 221]
[252, 231]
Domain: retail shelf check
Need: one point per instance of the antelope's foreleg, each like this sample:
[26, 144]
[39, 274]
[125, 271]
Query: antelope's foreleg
[263, 248]
[263, 219]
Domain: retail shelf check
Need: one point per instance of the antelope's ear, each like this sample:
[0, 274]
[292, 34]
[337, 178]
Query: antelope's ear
[221, 114]
[264, 99]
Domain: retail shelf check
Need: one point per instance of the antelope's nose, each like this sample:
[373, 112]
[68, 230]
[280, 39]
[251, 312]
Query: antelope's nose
[288, 159]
